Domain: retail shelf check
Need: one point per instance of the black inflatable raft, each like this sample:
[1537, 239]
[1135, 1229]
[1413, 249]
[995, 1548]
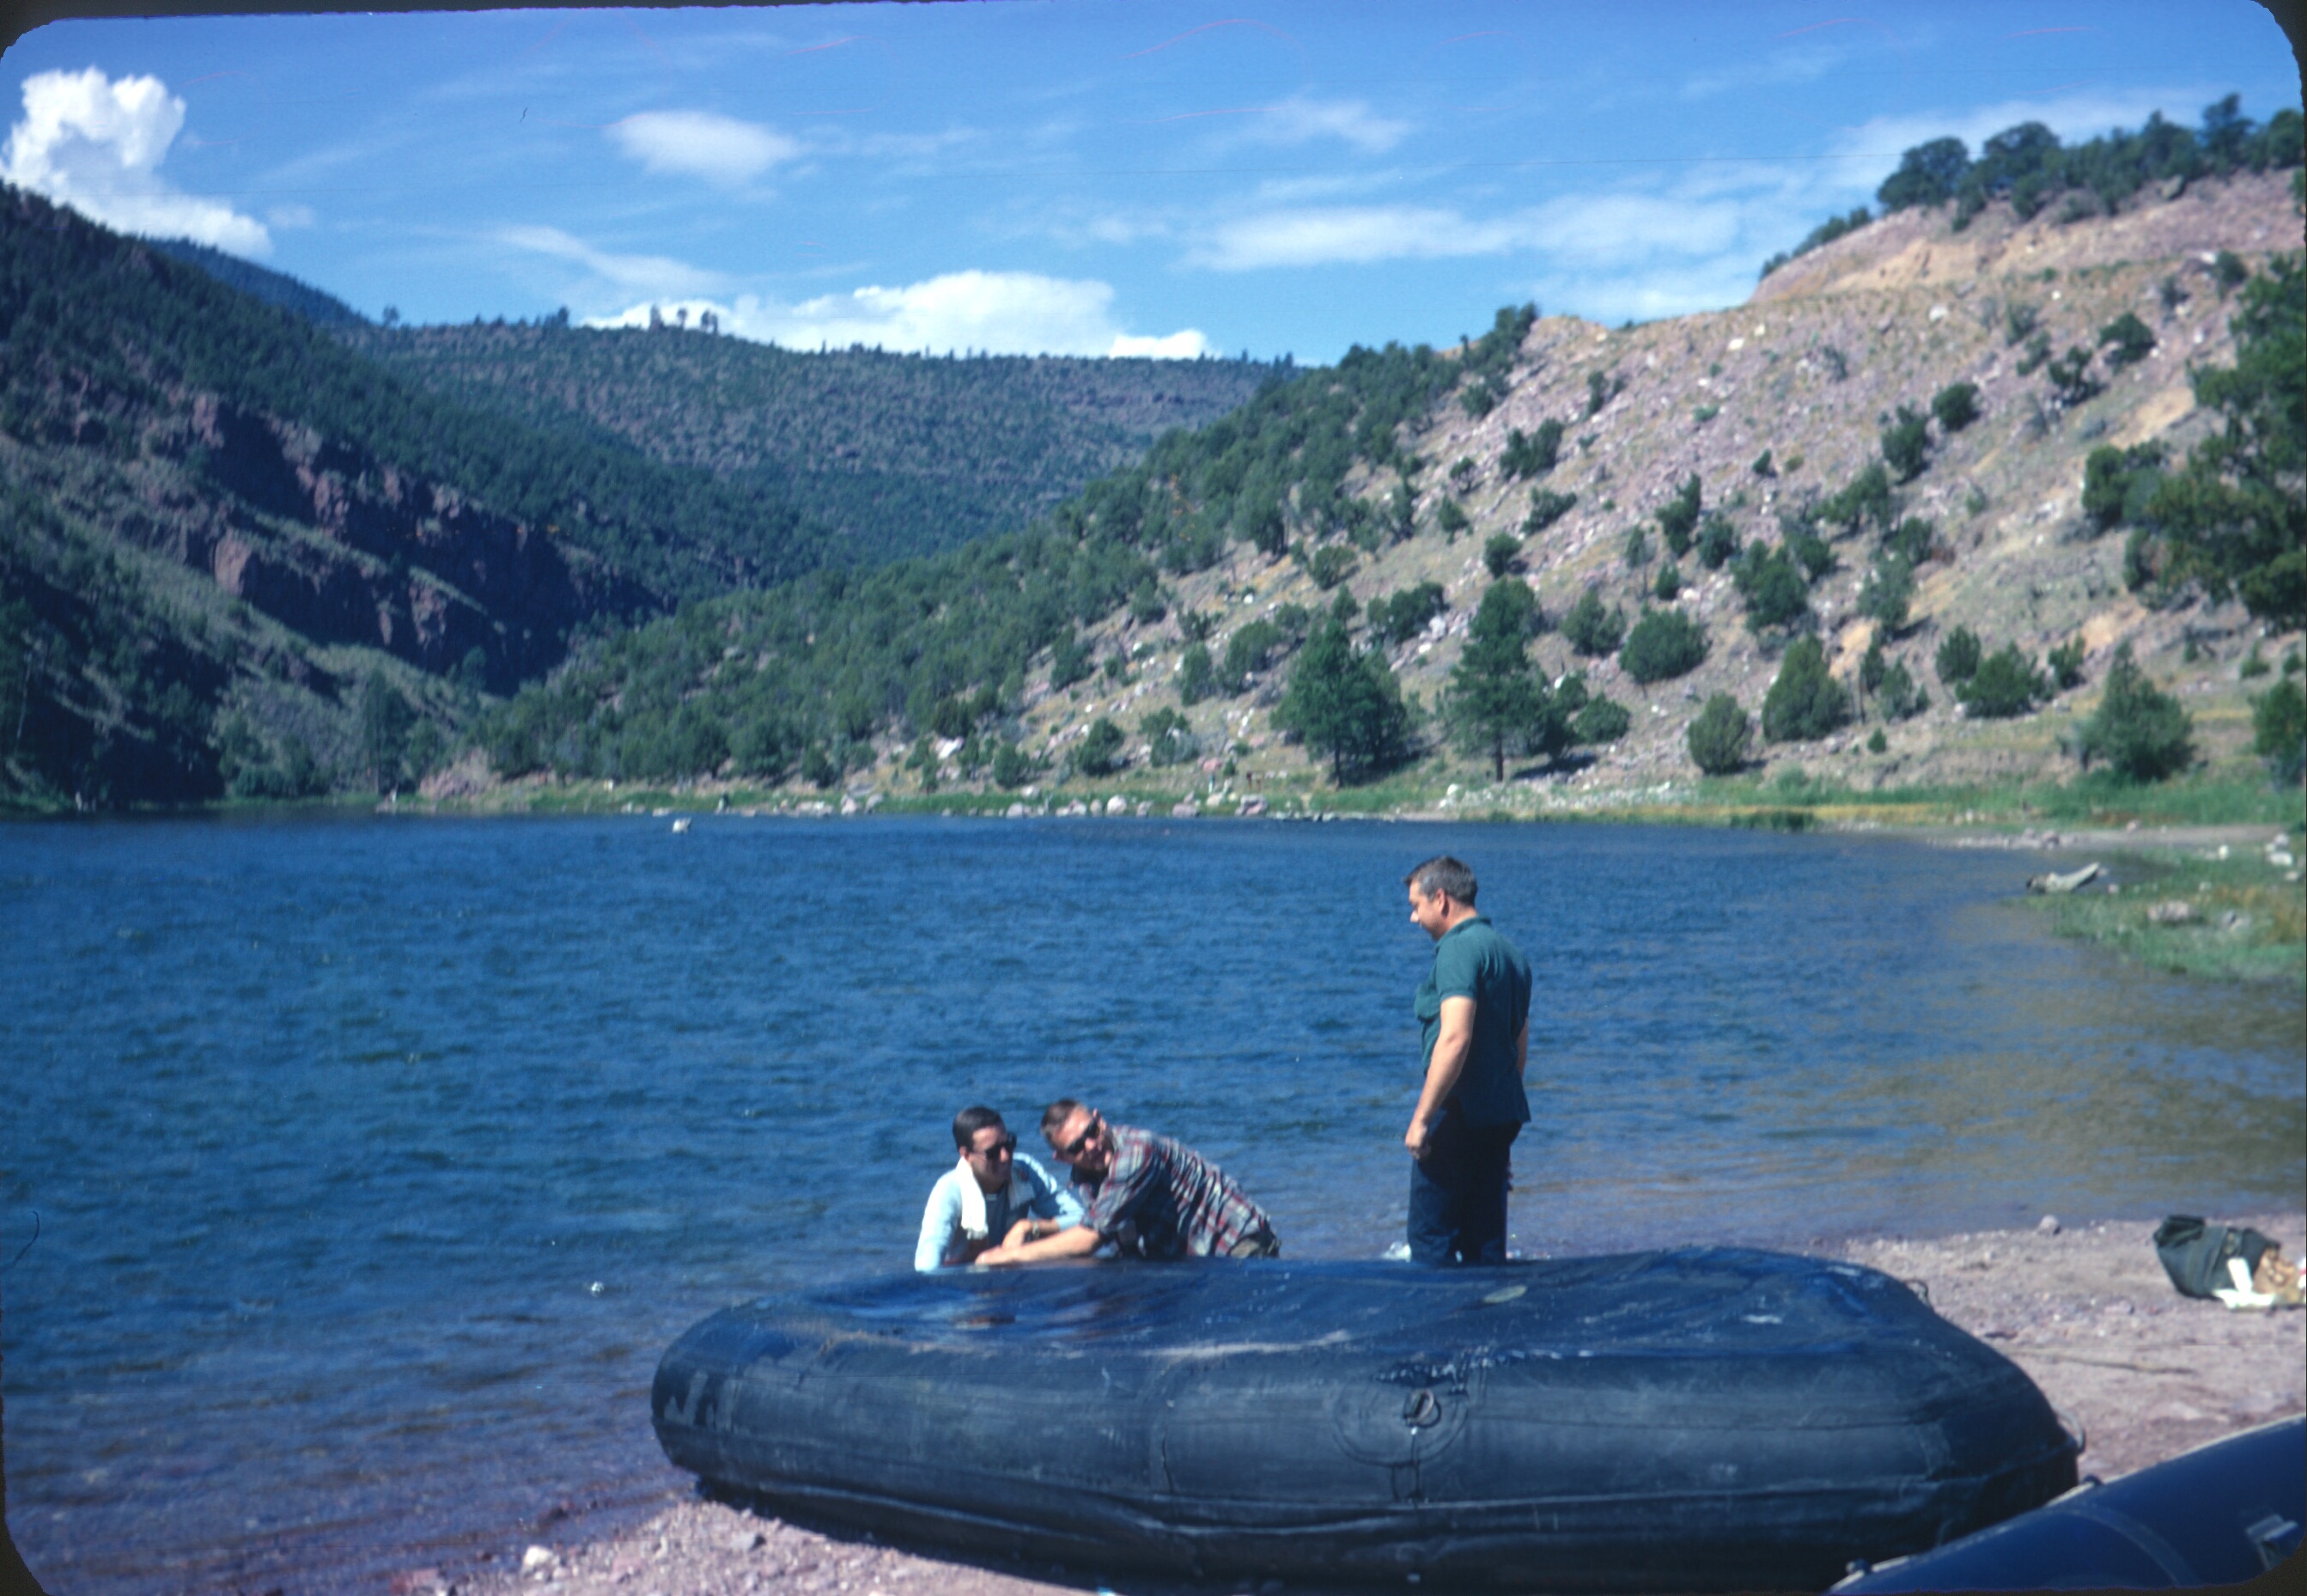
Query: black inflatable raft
[1694, 1420]
[2225, 1513]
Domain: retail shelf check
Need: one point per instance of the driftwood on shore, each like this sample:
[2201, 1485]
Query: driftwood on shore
[2067, 882]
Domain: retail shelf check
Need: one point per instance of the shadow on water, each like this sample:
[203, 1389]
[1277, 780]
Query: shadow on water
[378, 1160]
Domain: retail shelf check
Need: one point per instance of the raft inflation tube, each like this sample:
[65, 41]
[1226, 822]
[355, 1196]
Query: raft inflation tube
[2225, 1513]
[1684, 1420]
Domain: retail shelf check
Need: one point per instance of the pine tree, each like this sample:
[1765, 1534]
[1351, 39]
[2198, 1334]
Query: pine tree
[1345, 703]
[1495, 696]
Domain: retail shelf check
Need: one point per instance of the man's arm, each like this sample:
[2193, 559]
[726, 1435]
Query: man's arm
[1456, 1041]
[1522, 1052]
[1074, 1241]
[940, 1222]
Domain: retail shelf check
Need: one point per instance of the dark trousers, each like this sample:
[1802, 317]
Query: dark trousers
[1458, 1193]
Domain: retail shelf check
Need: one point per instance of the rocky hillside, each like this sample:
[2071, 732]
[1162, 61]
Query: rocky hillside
[1811, 371]
[898, 454]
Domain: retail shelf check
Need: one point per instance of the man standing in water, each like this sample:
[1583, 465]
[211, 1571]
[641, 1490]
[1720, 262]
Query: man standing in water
[1474, 1009]
[1150, 1197]
[992, 1194]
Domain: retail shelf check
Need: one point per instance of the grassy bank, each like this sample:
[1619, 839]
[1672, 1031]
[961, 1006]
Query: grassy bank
[2227, 913]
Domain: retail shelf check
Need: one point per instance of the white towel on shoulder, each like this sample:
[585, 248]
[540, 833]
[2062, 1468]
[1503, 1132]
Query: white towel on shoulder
[974, 1222]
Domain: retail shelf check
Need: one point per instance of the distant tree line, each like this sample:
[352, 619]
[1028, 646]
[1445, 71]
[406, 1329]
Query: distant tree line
[2028, 166]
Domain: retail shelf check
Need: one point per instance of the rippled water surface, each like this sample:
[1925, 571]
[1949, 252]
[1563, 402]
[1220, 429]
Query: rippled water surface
[376, 1161]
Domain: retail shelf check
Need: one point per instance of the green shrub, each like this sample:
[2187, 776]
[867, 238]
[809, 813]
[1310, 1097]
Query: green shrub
[1591, 629]
[1013, 767]
[1956, 406]
[1070, 661]
[1866, 497]
[1197, 677]
[1600, 720]
[1678, 517]
[1500, 553]
[2066, 663]
[1876, 743]
[1901, 696]
[1718, 541]
[2119, 483]
[1546, 508]
[1774, 590]
[1399, 617]
[1906, 444]
[2006, 685]
[1670, 581]
[1534, 454]
[2144, 732]
[2279, 721]
[1331, 564]
[1169, 738]
[1958, 658]
[1721, 736]
[1808, 548]
[1805, 702]
[1247, 651]
[1664, 644]
[1638, 547]
[1101, 748]
[2072, 382]
[1451, 520]
[1762, 465]
[1911, 540]
[1888, 591]
[2019, 323]
[2127, 340]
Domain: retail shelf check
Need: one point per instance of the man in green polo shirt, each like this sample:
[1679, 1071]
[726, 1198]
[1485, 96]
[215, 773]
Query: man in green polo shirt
[1474, 1009]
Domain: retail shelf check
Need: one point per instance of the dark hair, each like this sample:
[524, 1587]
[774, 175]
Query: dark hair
[972, 1120]
[1443, 874]
[1055, 1114]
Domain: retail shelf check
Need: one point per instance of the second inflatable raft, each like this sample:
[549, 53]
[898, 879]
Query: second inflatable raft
[1694, 1420]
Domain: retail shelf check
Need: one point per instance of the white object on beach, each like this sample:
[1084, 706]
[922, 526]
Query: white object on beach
[536, 1557]
[2244, 1294]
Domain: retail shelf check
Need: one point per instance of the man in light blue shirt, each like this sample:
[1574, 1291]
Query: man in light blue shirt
[993, 1194]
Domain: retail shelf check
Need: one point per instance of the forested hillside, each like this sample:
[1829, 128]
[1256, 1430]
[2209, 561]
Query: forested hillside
[897, 454]
[238, 555]
[1921, 529]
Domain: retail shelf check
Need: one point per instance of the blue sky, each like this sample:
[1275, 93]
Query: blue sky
[1086, 176]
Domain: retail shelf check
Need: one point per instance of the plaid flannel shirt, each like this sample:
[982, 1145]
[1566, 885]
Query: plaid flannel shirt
[1161, 1199]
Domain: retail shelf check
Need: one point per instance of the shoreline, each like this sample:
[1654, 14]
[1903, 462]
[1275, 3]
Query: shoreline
[2086, 1310]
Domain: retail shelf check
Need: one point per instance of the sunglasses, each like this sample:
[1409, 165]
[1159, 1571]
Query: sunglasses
[1000, 1149]
[1074, 1148]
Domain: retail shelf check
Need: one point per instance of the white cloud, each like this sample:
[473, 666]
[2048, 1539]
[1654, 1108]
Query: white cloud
[96, 145]
[1007, 312]
[1177, 346]
[1300, 121]
[654, 275]
[701, 144]
[1356, 234]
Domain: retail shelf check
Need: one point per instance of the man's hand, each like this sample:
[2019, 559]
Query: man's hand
[1073, 1241]
[1417, 1136]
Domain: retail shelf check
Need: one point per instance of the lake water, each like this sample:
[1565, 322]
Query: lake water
[376, 1161]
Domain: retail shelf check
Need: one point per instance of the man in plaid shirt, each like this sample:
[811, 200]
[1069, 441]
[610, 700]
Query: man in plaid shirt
[1151, 1198]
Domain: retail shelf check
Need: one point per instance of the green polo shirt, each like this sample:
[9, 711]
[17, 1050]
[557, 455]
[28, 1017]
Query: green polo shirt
[1472, 960]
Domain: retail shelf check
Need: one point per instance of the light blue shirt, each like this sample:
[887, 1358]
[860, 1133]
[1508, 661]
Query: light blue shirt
[1030, 1191]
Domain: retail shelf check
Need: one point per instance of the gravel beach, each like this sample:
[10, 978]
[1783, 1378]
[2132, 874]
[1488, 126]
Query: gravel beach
[2084, 1309]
